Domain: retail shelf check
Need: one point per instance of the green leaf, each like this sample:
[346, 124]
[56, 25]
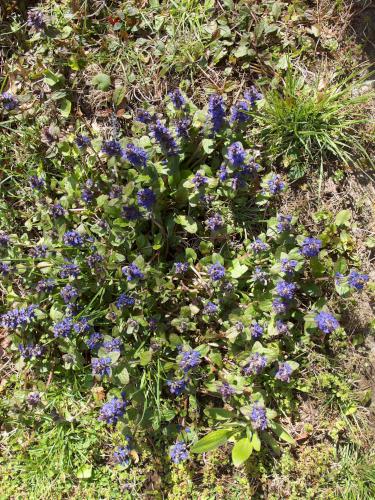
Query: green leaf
[84, 472]
[187, 222]
[123, 376]
[281, 433]
[255, 441]
[241, 451]
[343, 218]
[101, 81]
[238, 269]
[51, 78]
[119, 95]
[212, 440]
[208, 145]
[218, 413]
[65, 107]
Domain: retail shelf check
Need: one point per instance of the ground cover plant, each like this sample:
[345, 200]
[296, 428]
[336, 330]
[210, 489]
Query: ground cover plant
[169, 310]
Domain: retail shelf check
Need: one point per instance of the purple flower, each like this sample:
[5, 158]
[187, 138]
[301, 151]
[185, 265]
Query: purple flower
[223, 173]
[284, 372]
[189, 360]
[69, 270]
[35, 20]
[216, 110]
[226, 390]
[69, 293]
[240, 112]
[121, 455]
[72, 239]
[326, 322]
[260, 276]
[113, 148]
[38, 251]
[285, 289]
[4, 239]
[164, 137]
[101, 366]
[112, 411]
[215, 222]
[311, 247]
[275, 184]
[182, 127]
[288, 266]
[10, 102]
[30, 351]
[82, 141]
[357, 280]
[4, 268]
[115, 192]
[18, 318]
[136, 156]
[236, 154]
[94, 260]
[282, 327]
[82, 326]
[280, 306]
[258, 417]
[178, 452]
[258, 246]
[257, 330]
[210, 308]
[87, 192]
[34, 399]
[146, 198]
[199, 180]
[250, 168]
[37, 182]
[46, 285]
[63, 328]
[124, 301]
[113, 345]
[94, 341]
[177, 98]
[57, 210]
[283, 223]
[132, 272]
[255, 365]
[177, 387]
[181, 267]
[130, 213]
[143, 116]
[216, 271]
[252, 95]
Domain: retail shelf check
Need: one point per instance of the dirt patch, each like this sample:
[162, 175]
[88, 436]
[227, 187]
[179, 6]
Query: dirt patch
[363, 24]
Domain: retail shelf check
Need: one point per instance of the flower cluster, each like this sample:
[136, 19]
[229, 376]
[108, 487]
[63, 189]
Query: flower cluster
[18, 318]
[113, 410]
[179, 452]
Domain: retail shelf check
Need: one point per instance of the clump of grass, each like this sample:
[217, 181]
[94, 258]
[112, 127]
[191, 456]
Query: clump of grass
[307, 125]
[357, 474]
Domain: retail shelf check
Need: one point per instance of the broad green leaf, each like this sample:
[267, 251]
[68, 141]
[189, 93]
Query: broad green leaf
[123, 376]
[241, 451]
[65, 107]
[281, 433]
[212, 440]
[218, 413]
[343, 218]
[238, 269]
[187, 223]
[207, 145]
[101, 81]
[84, 472]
